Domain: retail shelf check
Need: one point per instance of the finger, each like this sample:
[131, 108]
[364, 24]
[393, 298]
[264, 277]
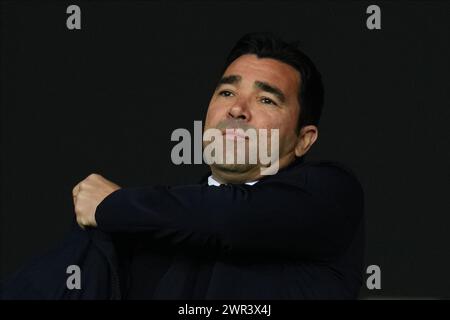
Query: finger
[80, 223]
[75, 190]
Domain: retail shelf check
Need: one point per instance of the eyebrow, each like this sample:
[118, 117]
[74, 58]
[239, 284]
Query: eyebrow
[232, 79]
[271, 89]
[264, 86]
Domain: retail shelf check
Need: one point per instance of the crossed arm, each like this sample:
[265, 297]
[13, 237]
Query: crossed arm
[311, 216]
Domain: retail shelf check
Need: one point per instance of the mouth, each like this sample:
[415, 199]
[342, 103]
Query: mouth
[233, 134]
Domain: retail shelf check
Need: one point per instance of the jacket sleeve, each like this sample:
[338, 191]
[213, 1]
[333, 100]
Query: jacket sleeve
[45, 277]
[312, 214]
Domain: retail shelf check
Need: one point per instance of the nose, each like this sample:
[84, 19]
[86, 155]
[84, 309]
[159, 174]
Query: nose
[239, 110]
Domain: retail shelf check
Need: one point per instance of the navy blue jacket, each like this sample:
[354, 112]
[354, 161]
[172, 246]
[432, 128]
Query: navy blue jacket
[298, 234]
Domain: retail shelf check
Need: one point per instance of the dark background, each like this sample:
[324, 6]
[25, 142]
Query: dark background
[106, 99]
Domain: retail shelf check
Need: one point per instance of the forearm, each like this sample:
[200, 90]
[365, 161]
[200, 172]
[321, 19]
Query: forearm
[232, 219]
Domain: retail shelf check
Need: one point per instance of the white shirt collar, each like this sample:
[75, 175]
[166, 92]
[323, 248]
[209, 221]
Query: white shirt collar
[214, 182]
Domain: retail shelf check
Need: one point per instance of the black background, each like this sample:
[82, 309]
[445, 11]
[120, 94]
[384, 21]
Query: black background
[106, 99]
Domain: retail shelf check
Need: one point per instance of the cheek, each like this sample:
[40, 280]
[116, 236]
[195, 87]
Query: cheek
[212, 114]
[289, 125]
[217, 112]
[288, 137]
[270, 119]
[286, 125]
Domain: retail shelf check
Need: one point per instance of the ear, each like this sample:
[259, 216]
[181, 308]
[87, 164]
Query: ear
[308, 135]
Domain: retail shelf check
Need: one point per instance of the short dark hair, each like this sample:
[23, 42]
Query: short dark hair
[269, 45]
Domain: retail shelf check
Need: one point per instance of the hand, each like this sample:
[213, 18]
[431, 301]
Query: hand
[87, 195]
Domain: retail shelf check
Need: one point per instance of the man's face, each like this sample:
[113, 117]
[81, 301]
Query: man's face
[257, 93]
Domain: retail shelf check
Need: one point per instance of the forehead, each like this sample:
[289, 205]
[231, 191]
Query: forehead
[251, 68]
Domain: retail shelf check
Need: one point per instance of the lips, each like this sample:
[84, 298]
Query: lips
[234, 134]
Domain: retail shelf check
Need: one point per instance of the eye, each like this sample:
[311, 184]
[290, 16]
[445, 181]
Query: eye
[266, 100]
[225, 93]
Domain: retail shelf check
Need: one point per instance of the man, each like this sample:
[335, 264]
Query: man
[296, 234]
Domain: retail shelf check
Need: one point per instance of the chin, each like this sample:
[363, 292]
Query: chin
[234, 168]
